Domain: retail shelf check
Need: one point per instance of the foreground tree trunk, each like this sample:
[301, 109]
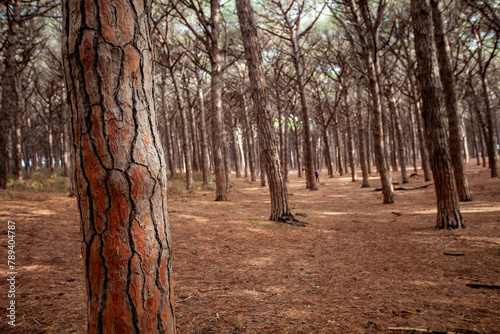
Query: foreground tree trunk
[269, 150]
[447, 76]
[449, 216]
[10, 94]
[120, 167]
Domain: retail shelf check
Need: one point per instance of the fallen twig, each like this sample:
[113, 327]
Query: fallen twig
[408, 188]
[486, 286]
[418, 330]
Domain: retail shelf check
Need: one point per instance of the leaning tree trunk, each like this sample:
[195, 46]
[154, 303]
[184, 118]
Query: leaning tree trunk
[456, 142]
[444, 181]
[120, 167]
[269, 150]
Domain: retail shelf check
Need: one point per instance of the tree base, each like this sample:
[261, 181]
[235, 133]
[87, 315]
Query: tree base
[290, 219]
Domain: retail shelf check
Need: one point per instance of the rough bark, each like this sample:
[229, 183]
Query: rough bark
[120, 167]
[269, 150]
[10, 93]
[448, 216]
[455, 142]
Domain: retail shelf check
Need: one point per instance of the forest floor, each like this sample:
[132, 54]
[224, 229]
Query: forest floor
[359, 266]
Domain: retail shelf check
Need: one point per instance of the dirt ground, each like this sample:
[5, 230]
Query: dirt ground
[358, 267]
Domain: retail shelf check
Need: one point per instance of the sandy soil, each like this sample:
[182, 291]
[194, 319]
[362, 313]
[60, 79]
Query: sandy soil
[358, 267]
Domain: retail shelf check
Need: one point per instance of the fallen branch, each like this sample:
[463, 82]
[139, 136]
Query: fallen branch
[408, 188]
[486, 286]
[418, 330]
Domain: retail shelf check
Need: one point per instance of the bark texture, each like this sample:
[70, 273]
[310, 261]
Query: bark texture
[448, 216]
[10, 92]
[119, 166]
[456, 142]
[269, 149]
[217, 120]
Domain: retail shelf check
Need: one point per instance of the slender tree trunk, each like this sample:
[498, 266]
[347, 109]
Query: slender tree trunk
[218, 140]
[447, 77]
[234, 144]
[285, 150]
[399, 135]
[491, 143]
[350, 143]
[308, 149]
[363, 159]
[194, 138]
[203, 129]
[120, 167]
[186, 146]
[249, 139]
[168, 138]
[449, 216]
[372, 66]
[17, 154]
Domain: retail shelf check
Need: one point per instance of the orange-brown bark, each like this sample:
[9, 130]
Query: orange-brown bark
[119, 166]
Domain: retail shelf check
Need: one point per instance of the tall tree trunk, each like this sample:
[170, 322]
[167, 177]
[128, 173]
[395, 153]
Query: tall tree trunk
[448, 216]
[491, 143]
[10, 92]
[168, 138]
[338, 147]
[363, 159]
[194, 136]
[308, 149]
[284, 163]
[447, 76]
[372, 67]
[50, 151]
[218, 141]
[399, 134]
[350, 143]
[205, 166]
[234, 144]
[120, 167]
[186, 146]
[17, 153]
[249, 139]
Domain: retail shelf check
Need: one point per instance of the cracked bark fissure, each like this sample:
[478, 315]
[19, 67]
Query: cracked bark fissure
[448, 216]
[269, 149]
[119, 167]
